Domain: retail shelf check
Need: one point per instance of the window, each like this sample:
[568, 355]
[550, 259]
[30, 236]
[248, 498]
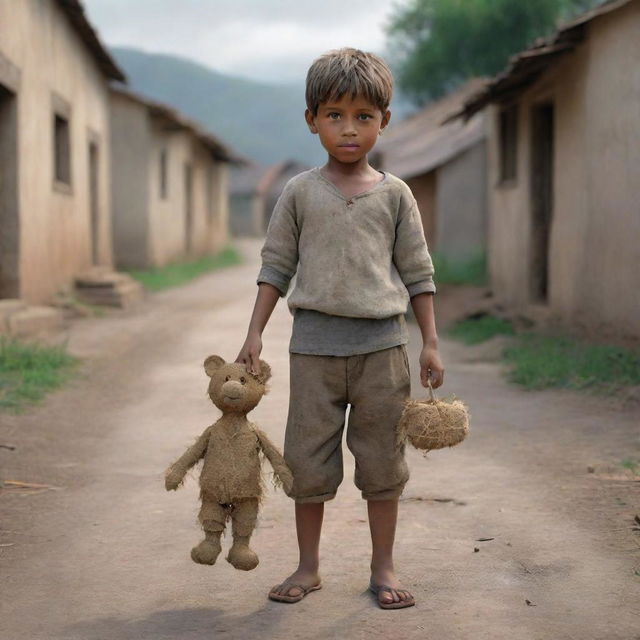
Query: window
[508, 133]
[163, 174]
[62, 149]
[211, 193]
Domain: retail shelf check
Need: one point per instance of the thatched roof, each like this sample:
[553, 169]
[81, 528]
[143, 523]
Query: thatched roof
[74, 11]
[177, 121]
[525, 67]
[422, 142]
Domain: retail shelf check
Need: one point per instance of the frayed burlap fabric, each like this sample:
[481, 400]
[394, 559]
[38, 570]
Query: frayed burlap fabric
[433, 424]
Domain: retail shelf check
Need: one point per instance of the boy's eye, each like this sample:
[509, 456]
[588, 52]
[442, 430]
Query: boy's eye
[365, 116]
[333, 115]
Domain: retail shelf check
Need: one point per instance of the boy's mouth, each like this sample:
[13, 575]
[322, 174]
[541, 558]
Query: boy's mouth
[350, 145]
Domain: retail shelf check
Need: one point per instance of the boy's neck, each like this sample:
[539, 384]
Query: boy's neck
[347, 171]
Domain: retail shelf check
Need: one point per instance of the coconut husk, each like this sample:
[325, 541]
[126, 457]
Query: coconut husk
[432, 423]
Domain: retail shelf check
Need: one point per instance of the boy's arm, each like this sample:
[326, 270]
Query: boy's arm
[430, 363]
[279, 264]
[266, 300]
[415, 266]
[410, 253]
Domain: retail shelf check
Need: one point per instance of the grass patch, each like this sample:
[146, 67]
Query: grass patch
[473, 270]
[540, 361]
[478, 329]
[632, 464]
[29, 371]
[173, 275]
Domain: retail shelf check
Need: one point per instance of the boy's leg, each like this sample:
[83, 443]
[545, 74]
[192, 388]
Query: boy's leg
[383, 516]
[379, 384]
[313, 452]
[308, 526]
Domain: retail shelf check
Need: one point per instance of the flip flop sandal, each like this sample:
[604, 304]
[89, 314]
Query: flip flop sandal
[290, 585]
[402, 604]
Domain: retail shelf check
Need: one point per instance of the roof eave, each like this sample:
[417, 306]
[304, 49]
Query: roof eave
[74, 11]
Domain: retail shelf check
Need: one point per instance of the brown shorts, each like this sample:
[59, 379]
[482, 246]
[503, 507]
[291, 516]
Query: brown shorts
[376, 386]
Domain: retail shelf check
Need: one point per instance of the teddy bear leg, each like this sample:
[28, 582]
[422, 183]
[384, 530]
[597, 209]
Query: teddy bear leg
[212, 517]
[243, 516]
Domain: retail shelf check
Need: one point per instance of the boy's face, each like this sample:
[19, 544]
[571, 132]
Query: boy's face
[348, 128]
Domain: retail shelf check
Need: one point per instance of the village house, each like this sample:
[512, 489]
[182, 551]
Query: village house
[169, 190]
[564, 169]
[54, 148]
[445, 166]
[254, 191]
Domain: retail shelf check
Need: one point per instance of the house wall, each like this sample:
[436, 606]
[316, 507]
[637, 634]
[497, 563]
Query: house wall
[595, 230]
[130, 167]
[423, 188]
[219, 228]
[461, 204]
[169, 241]
[55, 224]
[246, 214]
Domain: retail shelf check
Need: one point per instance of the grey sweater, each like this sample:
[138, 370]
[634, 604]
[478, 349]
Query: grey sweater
[361, 257]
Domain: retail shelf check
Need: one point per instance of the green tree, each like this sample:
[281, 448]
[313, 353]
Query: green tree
[437, 44]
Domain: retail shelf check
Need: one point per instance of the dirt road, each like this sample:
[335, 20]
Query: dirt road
[104, 555]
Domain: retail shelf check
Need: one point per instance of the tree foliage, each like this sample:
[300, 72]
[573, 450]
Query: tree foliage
[436, 44]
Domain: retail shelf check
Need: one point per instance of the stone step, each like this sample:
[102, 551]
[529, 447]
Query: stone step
[9, 306]
[113, 289]
[32, 322]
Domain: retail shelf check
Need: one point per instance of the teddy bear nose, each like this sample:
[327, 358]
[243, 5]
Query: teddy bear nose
[232, 389]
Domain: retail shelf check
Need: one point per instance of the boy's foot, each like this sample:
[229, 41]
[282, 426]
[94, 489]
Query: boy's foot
[295, 587]
[389, 593]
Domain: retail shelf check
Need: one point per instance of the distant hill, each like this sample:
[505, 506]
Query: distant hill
[262, 121]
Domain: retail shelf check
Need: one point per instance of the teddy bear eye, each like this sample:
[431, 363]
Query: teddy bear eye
[227, 378]
[242, 379]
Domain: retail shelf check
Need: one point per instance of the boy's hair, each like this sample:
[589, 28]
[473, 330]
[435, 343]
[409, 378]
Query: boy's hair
[351, 72]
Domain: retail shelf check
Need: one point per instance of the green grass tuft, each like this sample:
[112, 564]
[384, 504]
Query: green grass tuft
[473, 270]
[476, 330]
[28, 371]
[632, 464]
[540, 361]
[179, 273]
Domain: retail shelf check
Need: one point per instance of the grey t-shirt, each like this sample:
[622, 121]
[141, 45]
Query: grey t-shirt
[363, 257]
[321, 334]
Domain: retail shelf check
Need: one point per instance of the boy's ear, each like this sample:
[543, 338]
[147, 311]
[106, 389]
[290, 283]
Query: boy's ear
[265, 372]
[212, 364]
[311, 121]
[386, 116]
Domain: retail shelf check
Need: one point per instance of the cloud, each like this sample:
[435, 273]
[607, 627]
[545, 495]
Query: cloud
[269, 40]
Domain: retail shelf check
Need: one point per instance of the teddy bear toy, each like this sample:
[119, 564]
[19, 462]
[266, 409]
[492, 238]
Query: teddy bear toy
[231, 484]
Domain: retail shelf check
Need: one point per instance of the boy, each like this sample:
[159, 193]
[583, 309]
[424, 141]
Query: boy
[354, 237]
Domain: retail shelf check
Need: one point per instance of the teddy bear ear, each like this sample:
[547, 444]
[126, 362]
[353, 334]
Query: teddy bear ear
[212, 364]
[265, 372]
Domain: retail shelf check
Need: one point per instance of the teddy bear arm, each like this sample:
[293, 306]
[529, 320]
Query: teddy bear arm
[280, 468]
[175, 474]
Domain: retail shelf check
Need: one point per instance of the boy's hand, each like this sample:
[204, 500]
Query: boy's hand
[431, 367]
[250, 353]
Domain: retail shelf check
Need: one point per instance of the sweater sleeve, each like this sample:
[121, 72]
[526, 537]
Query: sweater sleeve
[411, 254]
[280, 250]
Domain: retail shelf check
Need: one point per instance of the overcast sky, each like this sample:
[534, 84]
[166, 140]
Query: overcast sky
[269, 40]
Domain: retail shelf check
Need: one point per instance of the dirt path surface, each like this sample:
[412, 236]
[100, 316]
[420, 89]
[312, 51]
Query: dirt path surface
[105, 554]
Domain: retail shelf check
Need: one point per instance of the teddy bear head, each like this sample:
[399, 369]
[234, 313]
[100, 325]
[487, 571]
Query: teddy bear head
[232, 388]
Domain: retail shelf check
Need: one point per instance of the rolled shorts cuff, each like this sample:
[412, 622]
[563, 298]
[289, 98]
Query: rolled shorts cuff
[323, 497]
[387, 494]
